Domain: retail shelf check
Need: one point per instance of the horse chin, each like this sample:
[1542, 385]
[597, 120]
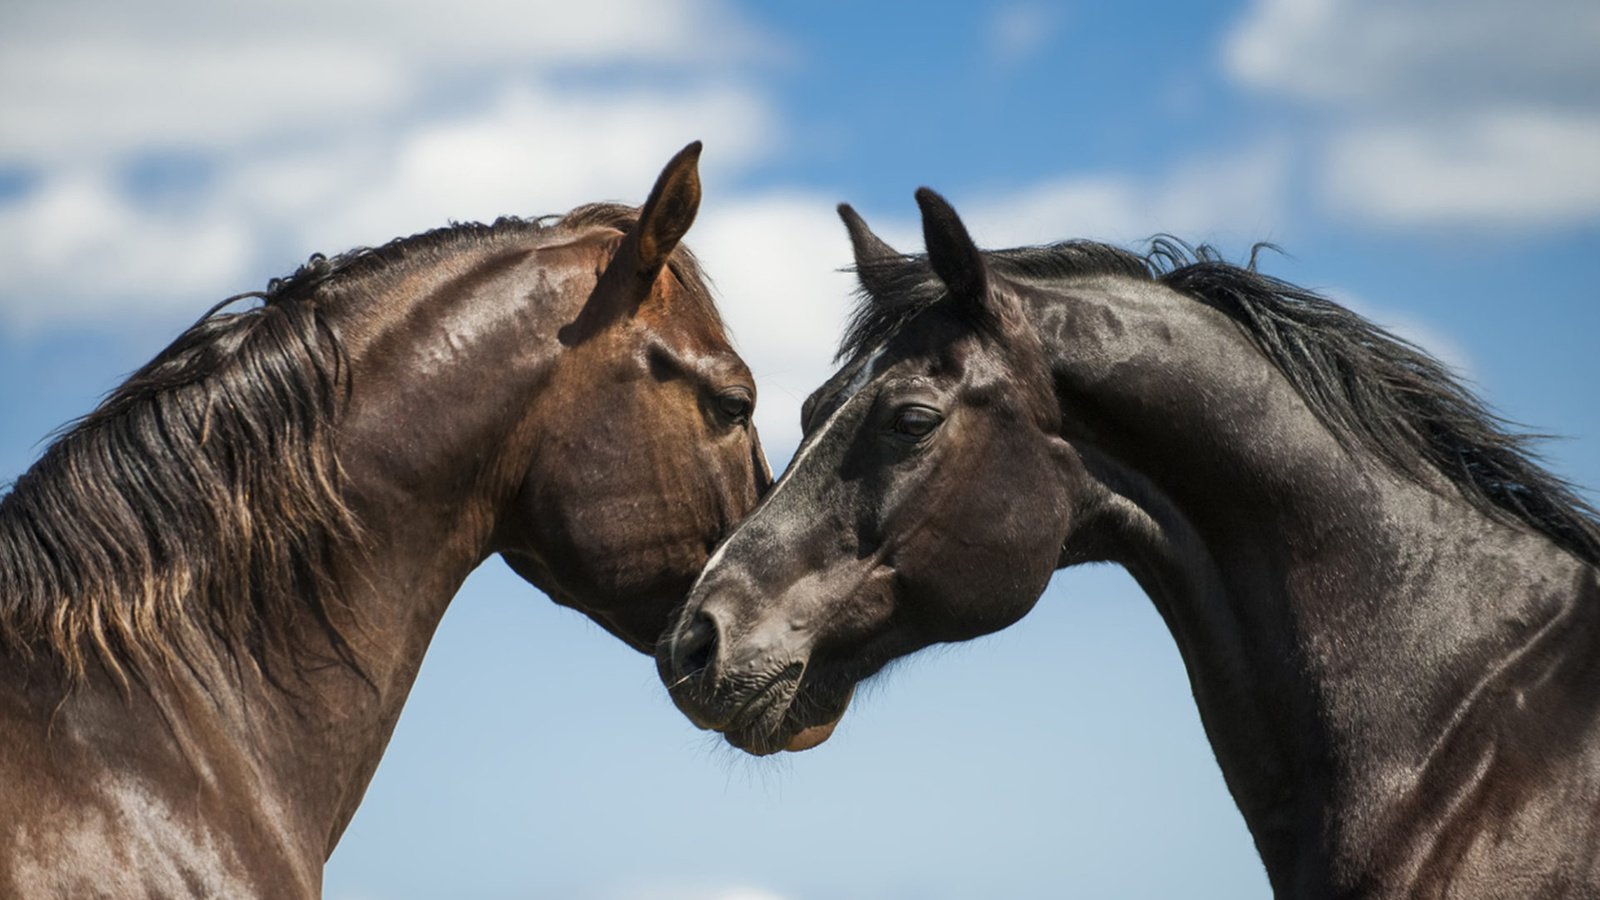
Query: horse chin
[793, 733]
[821, 725]
[806, 738]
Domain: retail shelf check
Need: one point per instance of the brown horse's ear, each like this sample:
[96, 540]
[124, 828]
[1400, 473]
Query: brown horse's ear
[951, 252]
[663, 220]
[666, 216]
[873, 257]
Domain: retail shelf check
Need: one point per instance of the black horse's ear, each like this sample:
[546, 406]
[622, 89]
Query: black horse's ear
[874, 258]
[644, 251]
[951, 252]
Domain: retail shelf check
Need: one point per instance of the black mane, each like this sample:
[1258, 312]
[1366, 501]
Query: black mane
[1369, 387]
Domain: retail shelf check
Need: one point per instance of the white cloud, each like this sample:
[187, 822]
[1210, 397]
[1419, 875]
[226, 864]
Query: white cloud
[93, 79]
[80, 247]
[1237, 197]
[776, 262]
[90, 99]
[1417, 53]
[1456, 113]
[1512, 167]
[77, 250]
[532, 151]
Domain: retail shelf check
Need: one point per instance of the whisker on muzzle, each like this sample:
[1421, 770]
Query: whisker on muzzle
[682, 681]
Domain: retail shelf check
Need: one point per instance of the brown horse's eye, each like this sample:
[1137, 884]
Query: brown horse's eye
[913, 423]
[735, 405]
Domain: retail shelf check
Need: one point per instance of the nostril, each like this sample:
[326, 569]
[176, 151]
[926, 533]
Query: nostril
[696, 646]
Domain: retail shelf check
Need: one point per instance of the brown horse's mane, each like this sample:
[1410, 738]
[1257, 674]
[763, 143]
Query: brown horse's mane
[1368, 386]
[201, 503]
[350, 268]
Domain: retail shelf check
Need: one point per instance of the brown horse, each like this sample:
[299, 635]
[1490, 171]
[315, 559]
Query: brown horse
[216, 589]
[1389, 612]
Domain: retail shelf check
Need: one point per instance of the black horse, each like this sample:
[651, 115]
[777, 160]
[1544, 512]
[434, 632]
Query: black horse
[1388, 611]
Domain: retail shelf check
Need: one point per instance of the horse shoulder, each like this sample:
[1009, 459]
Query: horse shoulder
[118, 818]
[1520, 815]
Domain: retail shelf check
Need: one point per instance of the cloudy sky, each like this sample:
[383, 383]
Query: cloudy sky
[1434, 164]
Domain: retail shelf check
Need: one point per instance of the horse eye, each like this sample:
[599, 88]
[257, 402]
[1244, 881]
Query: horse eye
[916, 422]
[736, 404]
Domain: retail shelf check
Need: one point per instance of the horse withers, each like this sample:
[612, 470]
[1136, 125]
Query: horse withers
[216, 589]
[1390, 614]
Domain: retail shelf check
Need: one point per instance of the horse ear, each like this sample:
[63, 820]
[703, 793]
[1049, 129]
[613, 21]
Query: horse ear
[666, 216]
[951, 252]
[873, 256]
[645, 249]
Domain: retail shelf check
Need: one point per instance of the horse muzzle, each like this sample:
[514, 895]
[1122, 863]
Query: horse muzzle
[756, 696]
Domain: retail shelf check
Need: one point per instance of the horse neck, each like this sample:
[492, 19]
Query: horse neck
[431, 446]
[1330, 612]
[441, 367]
[235, 715]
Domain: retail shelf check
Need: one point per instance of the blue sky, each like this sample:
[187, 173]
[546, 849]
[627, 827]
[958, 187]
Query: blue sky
[1434, 164]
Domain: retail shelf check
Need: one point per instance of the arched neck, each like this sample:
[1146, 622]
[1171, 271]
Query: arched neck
[1328, 610]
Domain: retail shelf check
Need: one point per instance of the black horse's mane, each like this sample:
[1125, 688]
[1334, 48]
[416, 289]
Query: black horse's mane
[203, 497]
[1367, 385]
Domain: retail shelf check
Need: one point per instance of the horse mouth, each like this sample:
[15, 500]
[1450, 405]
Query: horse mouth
[784, 715]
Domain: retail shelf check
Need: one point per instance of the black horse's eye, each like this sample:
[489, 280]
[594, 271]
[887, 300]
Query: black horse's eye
[913, 423]
[736, 404]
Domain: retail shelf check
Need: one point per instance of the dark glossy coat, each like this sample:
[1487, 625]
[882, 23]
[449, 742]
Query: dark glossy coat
[1390, 615]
